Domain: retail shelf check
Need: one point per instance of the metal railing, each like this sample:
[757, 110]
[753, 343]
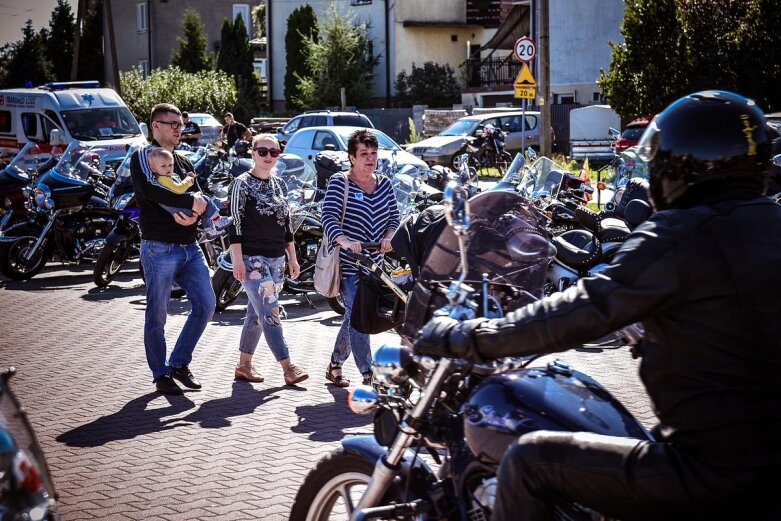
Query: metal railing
[491, 72]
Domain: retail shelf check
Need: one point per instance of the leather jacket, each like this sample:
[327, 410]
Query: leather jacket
[706, 284]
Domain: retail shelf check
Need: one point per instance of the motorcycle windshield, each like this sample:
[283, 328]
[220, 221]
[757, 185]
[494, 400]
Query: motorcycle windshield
[82, 162]
[28, 161]
[506, 240]
[513, 174]
[542, 180]
[298, 176]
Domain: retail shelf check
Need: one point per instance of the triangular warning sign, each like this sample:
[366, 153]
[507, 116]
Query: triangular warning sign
[525, 78]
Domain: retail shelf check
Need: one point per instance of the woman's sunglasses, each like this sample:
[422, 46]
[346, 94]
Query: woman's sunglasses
[263, 151]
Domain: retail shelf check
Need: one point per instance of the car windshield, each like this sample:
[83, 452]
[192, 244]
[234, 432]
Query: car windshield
[101, 124]
[384, 141]
[205, 120]
[462, 127]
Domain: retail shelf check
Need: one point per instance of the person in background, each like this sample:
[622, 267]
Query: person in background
[371, 215]
[191, 131]
[170, 253]
[233, 131]
[260, 239]
[702, 275]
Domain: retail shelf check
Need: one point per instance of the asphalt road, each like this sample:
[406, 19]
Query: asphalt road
[233, 450]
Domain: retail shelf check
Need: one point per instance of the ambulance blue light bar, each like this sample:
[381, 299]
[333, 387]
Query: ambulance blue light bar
[65, 85]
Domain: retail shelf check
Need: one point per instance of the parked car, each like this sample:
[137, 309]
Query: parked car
[321, 118]
[307, 143]
[631, 134]
[442, 148]
[210, 127]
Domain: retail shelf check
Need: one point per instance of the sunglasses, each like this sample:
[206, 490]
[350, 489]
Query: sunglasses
[175, 125]
[263, 151]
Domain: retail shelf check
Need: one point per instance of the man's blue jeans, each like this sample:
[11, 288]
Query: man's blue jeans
[165, 263]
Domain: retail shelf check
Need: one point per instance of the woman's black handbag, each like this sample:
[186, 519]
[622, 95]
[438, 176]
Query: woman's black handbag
[376, 308]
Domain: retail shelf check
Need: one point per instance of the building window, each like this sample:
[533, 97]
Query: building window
[243, 10]
[144, 66]
[598, 97]
[564, 99]
[141, 19]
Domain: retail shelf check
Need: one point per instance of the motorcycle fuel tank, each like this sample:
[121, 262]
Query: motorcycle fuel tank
[505, 406]
[67, 192]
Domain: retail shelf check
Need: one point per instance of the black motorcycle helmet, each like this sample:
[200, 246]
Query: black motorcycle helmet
[241, 147]
[706, 138]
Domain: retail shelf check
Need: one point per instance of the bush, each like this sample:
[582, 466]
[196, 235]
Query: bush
[213, 92]
[433, 85]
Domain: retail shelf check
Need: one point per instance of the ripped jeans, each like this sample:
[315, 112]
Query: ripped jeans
[262, 285]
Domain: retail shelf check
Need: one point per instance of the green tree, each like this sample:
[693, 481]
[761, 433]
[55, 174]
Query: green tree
[341, 59]
[191, 55]
[301, 24]
[27, 63]
[674, 47]
[59, 40]
[235, 58]
[203, 91]
[91, 66]
[433, 85]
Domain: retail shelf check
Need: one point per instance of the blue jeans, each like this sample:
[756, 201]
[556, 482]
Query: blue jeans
[206, 217]
[348, 338]
[262, 285]
[165, 263]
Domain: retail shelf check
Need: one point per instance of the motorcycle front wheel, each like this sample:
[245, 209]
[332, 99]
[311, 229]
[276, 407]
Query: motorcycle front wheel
[110, 261]
[336, 304]
[12, 262]
[226, 288]
[332, 489]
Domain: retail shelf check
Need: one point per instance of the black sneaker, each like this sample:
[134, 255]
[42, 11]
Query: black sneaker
[166, 385]
[184, 375]
[367, 378]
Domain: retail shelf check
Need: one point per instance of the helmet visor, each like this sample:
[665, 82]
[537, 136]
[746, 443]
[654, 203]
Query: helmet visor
[649, 142]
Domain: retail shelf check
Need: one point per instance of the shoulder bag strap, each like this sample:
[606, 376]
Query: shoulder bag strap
[344, 203]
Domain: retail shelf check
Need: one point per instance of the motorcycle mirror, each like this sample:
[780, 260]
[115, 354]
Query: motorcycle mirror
[613, 133]
[531, 153]
[456, 207]
[144, 129]
[777, 160]
[56, 138]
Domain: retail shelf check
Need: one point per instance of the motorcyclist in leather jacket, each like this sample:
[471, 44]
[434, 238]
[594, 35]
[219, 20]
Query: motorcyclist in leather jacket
[703, 275]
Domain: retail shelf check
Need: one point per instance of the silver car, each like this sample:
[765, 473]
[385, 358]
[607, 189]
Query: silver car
[308, 142]
[443, 148]
[210, 127]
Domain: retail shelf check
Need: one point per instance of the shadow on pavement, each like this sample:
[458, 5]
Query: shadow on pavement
[243, 401]
[328, 421]
[134, 419]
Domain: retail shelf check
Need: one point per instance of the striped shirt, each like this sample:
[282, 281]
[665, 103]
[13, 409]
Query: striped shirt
[366, 219]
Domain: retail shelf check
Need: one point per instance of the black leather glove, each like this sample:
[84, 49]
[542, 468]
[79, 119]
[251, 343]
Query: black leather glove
[445, 336]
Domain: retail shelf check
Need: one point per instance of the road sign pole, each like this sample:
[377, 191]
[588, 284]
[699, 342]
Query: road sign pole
[523, 126]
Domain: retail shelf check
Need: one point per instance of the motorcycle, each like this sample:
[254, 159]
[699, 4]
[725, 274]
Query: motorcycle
[23, 169]
[26, 486]
[69, 215]
[485, 150]
[307, 234]
[124, 239]
[463, 415]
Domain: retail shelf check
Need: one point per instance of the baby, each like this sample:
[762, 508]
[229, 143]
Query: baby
[161, 161]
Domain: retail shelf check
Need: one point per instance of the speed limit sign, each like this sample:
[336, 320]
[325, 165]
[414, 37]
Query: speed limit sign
[525, 49]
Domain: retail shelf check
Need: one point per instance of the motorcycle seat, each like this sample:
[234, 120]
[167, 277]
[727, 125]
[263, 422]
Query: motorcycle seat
[613, 229]
[578, 249]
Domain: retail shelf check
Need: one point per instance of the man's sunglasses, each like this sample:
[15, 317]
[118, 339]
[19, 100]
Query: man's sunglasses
[263, 151]
[175, 125]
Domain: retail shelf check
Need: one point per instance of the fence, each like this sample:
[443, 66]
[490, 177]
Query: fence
[394, 122]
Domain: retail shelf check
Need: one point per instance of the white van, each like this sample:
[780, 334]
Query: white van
[79, 110]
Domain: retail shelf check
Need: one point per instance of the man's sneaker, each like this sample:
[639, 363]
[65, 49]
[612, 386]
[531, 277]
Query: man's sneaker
[367, 378]
[222, 222]
[248, 373]
[293, 375]
[166, 385]
[184, 375]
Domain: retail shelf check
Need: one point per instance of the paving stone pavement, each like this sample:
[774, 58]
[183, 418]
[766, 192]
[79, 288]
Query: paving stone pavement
[233, 450]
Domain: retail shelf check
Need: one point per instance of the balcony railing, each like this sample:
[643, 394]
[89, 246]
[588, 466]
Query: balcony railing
[492, 72]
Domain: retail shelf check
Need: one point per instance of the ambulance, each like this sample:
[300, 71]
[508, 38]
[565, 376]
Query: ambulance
[81, 111]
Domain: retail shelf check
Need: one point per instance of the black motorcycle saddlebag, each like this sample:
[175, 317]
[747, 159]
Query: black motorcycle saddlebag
[376, 308]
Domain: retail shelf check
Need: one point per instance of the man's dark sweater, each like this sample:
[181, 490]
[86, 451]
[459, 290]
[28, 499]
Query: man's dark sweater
[155, 221]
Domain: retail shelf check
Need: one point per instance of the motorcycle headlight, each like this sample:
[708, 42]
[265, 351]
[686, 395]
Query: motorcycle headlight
[122, 201]
[43, 197]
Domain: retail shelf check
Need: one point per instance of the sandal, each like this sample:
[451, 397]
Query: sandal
[337, 380]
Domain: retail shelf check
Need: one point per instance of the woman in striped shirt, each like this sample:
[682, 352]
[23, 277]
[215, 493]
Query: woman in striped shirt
[371, 215]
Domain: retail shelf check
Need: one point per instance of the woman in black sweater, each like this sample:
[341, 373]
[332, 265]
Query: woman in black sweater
[260, 237]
